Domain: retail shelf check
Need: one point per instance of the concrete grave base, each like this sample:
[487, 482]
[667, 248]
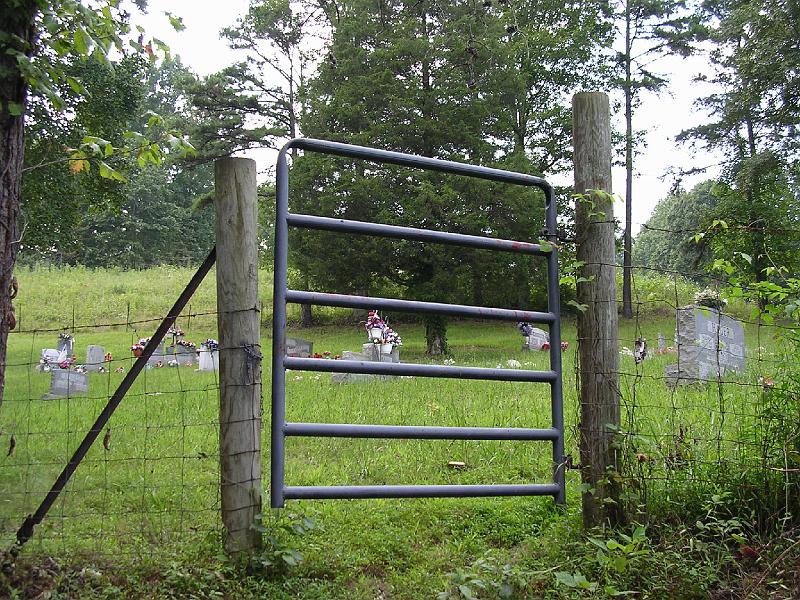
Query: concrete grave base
[369, 353]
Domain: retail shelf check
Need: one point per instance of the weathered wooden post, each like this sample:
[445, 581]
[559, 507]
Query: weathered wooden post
[240, 351]
[598, 333]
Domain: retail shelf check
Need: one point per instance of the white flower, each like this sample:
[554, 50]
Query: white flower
[626, 351]
[513, 364]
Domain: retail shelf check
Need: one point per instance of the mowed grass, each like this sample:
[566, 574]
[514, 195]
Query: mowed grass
[154, 491]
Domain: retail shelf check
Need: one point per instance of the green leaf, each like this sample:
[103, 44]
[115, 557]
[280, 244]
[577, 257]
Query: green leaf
[76, 86]
[176, 22]
[106, 172]
[15, 109]
[80, 41]
[466, 591]
[567, 579]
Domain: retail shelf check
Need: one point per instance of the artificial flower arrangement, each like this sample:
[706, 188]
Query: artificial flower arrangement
[138, 347]
[710, 298]
[65, 337]
[374, 326]
[186, 343]
[379, 332]
[327, 354]
[524, 328]
[390, 336]
[211, 344]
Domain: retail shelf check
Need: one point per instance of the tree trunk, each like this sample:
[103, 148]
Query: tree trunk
[18, 22]
[627, 284]
[306, 316]
[436, 336]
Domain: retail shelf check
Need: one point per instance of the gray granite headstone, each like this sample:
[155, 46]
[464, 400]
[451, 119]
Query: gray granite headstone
[66, 345]
[299, 348]
[65, 384]
[185, 355]
[95, 358]
[536, 339]
[662, 342]
[709, 344]
[159, 356]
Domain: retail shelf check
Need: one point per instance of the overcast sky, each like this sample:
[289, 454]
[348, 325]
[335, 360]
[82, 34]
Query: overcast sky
[660, 117]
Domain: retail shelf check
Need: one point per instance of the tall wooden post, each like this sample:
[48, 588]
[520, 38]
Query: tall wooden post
[240, 351]
[598, 333]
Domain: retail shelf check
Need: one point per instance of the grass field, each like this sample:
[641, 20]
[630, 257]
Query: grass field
[152, 496]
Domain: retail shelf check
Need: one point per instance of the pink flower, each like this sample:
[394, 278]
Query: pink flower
[564, 346]
[546, 346]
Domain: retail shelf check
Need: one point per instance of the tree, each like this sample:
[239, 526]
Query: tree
[753, 121]
[461, 81]
[651, 29]
[667, 240]
[31, 32]
[38, 39]
[55, 200]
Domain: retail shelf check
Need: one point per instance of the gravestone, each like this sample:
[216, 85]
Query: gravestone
[185, 355]
[299, 348]
[369, 353]
[159, 356]
[662, 342]
[66, 384]
[95, 358]
[709, 344]
[49, 359]
[66, 345]
[536, 339]
[208, 359]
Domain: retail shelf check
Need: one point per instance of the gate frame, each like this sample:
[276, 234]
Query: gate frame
[279, 492]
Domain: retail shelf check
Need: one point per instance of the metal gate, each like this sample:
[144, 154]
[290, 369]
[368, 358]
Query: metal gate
[279, 492]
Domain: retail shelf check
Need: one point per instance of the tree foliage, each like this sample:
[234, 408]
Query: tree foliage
[667, 241]
[753, 122]
[464, 81]
[651, 29]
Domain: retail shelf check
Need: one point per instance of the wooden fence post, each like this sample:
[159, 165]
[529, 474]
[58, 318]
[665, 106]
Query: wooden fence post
[240, 351]
[598, 333]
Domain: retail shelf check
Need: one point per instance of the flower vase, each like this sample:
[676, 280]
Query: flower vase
[386, 348]
[375, 333]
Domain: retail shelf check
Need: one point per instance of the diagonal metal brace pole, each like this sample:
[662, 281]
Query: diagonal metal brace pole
[25, 532]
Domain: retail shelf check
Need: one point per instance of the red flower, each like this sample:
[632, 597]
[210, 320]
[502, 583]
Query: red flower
[546, 346]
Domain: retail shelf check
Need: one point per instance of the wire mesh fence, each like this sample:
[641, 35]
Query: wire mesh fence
[722, 429]
[154, 479]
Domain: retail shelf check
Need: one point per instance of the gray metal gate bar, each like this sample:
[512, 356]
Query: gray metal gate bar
[344, 492]
[280, 363]
[454, 310]
[414, 234]
[417, 370]
[420, 432]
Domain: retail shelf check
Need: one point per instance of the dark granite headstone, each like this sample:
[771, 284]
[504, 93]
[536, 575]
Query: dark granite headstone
[299, 348]
[709, 344]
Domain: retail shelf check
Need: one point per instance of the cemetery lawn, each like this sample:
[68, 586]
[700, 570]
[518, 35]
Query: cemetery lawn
[144, 511]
